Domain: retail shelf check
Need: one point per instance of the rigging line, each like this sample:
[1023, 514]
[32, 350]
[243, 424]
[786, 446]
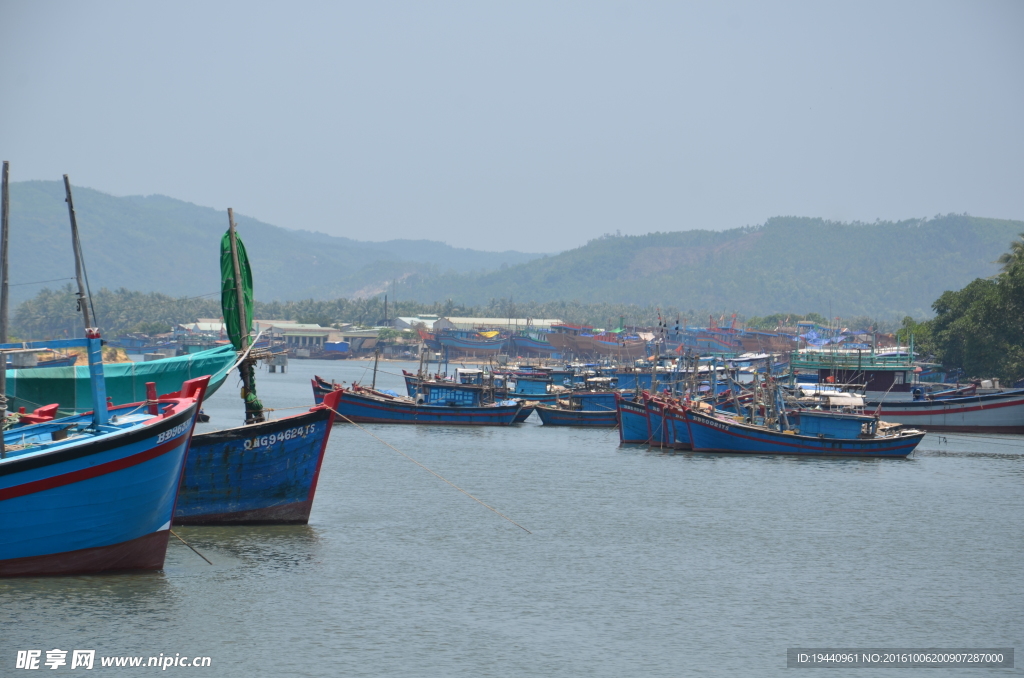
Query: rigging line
[39, 282]
[429, 470]
[968, 436]
[962, 441]
[85, 273]
[196, 297]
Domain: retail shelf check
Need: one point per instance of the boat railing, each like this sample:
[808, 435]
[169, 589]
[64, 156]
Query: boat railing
[863, 361]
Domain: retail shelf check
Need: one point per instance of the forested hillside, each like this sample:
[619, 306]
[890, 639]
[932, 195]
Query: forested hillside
[789, 264]
[159, 244]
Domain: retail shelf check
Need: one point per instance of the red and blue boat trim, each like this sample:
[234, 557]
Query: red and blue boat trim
[97, 500]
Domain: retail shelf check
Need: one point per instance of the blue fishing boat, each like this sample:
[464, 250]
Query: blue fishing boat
[471, 342]
[57, 360]
[263, 473]
[533, 344]
[558, 416]
[95, 492]
[632, 421]
[438, 405]
[820, 433]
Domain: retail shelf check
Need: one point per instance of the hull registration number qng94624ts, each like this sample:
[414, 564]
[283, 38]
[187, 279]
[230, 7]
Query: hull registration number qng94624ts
[290, 434]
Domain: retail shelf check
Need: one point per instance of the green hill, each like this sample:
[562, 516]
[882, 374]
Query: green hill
[795, 264]
[789, 264]
[156, 243]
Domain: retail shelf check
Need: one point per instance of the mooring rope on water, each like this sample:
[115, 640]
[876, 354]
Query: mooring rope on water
[191, 547]
[425, 468]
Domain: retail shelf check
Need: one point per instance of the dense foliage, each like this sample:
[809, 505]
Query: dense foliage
[981, 327]
[53, 313]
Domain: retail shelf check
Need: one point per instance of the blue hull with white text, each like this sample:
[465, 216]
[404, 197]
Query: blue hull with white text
[94, 502]
[259, 474]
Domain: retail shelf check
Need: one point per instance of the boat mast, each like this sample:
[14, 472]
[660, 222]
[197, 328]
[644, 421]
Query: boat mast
[251, 417]
[4, 214]
[94, 343]
[5, 209]
[376, 357]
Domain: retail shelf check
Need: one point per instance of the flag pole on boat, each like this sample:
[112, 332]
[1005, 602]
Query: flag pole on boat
[253, 407]
[4, 217]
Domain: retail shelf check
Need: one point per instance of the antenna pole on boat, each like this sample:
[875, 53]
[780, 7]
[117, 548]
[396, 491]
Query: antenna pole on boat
[4, 215]
[376, 357]
[94, 343]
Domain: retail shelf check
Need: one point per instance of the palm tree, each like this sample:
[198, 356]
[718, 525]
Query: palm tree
[1014, 256]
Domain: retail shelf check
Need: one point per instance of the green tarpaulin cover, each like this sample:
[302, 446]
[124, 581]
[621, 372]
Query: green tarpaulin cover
[126, 382]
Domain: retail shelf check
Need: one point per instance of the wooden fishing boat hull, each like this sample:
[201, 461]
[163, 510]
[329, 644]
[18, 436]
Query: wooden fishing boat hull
[554, 416]
[633, 424]
[525, 346]
[655, 424]
[629, 350]
[677, 433]
[261, 474]
[96, 504]
[363, 409]
[474, 346]
[711, 434]
[995, 413]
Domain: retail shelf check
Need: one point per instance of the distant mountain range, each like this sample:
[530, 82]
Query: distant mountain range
[789, 264]
[159, 244]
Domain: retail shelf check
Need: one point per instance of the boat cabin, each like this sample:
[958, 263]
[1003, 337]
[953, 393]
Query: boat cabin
[825, 424]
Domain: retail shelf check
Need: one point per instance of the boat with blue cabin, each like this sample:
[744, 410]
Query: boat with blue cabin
[820, 432]
[434, 404]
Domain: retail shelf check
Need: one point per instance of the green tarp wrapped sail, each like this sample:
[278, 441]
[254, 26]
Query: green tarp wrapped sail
[126, 382]
[228, 295]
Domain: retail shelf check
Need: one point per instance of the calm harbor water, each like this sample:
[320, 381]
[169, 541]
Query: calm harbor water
[639, 563]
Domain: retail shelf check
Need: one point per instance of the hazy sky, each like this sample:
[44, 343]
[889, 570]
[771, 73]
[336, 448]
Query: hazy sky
[530, 126]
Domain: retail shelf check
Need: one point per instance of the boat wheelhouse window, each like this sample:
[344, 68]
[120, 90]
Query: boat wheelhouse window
[898, 377]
